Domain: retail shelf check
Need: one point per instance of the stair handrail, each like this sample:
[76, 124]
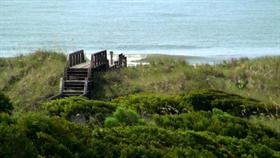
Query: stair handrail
[100, 58]
[61, 85]
[75, 58]
[89, 73]
[98, 64]
[86, 88]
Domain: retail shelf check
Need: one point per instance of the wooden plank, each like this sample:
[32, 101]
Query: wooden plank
[61, 86]
[76, 58]
[82, 65]
[76, 67]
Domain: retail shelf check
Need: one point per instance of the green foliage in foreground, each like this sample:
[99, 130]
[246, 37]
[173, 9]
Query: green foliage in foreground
[33, 135]
[175, 122]
[123, 117]
[5, 104]
[81, 110]
[134, 127]
[148, 104]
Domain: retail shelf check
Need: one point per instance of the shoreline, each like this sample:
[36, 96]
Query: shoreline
[193, 57]
[139, 59]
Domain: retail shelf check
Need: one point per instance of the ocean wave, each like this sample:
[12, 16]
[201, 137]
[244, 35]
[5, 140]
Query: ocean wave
[160, 47]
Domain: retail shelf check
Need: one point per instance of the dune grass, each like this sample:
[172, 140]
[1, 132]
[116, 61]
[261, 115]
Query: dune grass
[156, 110]
[256, 78]
[31, 79]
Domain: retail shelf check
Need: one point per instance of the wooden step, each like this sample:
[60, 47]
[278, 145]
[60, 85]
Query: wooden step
[73, 92]
[74, 88]
[77, 78]
[74, 85]
[82, 83]
[77, 70]
[75, 81]
[77, 75]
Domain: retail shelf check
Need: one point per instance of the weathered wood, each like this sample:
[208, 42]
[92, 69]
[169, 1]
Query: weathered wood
[99, 58]
[111, 57]
[61, 85]
[75, 58]
[86, 88]
[78, 76]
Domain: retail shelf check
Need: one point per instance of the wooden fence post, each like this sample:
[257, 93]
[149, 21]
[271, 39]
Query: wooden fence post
[61, 85]
[111, 57]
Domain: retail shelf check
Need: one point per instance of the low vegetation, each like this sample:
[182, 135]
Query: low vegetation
[165, 109]
[29, 80]
[254, 78]
[133, 127]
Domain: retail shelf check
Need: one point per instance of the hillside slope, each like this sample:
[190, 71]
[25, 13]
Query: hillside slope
[165, 109]
[31, 79]
[256, 78]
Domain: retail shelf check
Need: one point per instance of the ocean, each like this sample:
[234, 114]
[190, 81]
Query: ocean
[208, 28]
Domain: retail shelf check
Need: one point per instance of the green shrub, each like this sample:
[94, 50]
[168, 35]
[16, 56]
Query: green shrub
[81, 110]
[147, 104]
[217, 122]
[132, 151]
[5, 104]
[129, 141]
[181, 152]
[123, 117]
[231, 103]
[14, 143]
[55, 137]
[198, 121]
[35, 135]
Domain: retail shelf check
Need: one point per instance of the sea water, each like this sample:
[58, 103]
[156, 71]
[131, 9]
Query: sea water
[185, 27]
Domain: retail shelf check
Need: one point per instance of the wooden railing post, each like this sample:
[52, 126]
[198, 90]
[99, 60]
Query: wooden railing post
[125, 61]
[75, 58]
[86, 87]
[111, 57]
[61, 85]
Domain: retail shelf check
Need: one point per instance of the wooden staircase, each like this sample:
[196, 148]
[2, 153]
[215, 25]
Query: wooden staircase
[76, 82]
[79, 74]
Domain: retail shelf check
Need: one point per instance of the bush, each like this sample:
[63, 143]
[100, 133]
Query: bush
[36, 135]
[217, 122]
[129, 141]
[123, 117]
[147, 104]
[234, 104]
[81, 110]
[5, 104]
[54, 137]
[181, 134]
[197, 121]
[14, 143]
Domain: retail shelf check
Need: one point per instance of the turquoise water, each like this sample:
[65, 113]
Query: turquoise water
[188, 27]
